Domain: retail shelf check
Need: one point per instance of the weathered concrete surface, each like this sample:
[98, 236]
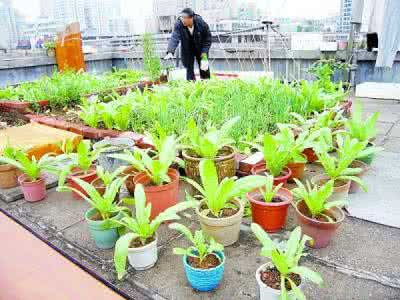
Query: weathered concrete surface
[361, 262]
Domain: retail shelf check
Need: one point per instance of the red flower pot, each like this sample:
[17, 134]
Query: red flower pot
[270, 216]
[88, 177]
[321, 232]
[297, 170]
[283, 178]
[310, 154]
[33, 191]
[161, 197]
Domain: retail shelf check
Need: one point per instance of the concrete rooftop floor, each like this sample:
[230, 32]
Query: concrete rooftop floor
[362, 262]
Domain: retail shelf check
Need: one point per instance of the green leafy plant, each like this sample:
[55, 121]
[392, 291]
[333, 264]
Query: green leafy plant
[108, 177]
[66, 146]
[90, 113]
[33, 168]
[286, 261]
[151, 63]
[337, 168]
[104, 204]
[362, 130]
[134, 158]
[140, 227]
[218, 196]
[201, 247]
[85, 157]
[49, 45]
[122, 115]
[269, 191]
[316, 198]
[207, 145]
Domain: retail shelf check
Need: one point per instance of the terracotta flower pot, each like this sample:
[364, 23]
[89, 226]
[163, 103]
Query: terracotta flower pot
[297, 169]
[225, 164]
[131, 172]
[161, 197]
[340, 189]
[354, 186]
[33, 191]
[310, 154]
[88, 177]
[270, 216]
[283, 178]
[224, 230]
[8, 177]
[321, 232]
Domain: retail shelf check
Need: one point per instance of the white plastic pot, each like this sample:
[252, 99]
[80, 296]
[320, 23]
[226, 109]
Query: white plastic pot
[267, 293]
[143, 258]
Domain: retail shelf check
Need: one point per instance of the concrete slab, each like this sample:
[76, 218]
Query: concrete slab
[14, 194]
[384, 127]
[378, 90]
[392, 144]
[395, 132]
[381, 203]
[58, 209]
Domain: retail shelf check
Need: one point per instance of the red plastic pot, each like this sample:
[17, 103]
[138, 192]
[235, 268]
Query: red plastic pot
[33, 191]
[270, 216]
[88, 177]
[283, 178]
[310, 154]
[160, 197]
[297, 170]
[321, 232]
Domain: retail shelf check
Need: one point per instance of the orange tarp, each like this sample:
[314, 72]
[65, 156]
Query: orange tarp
[69, 53]
[36, 139]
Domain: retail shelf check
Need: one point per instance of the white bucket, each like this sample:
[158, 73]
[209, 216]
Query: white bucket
[143, 258]
[177, 74]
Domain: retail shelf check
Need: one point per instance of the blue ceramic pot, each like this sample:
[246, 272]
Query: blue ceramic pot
[104, 238]
[205, 280]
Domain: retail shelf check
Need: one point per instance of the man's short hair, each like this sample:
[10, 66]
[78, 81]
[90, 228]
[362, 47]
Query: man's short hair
[187, 12]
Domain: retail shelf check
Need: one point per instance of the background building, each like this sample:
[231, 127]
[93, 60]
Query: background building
[8, 26]
[345, 16]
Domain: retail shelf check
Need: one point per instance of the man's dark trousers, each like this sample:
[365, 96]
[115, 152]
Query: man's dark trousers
[190, 69]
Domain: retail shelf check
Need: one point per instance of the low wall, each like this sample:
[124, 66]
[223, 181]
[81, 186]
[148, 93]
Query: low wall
[290, 65]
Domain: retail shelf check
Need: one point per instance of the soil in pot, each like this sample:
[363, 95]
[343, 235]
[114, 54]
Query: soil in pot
[209, 262]
[340, 187]
[137, 243]
[272, 278]
[226, 212]
[224, 162]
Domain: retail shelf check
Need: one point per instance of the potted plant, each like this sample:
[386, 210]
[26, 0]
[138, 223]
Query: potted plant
[50, 46]
[82, 168]
[276, 158]
[317, 217]
[139, 243]
[104, 210]
[338, 168]
[282, 278]
[220, 211]
[363, 130]
[110, 147]
[296, 146]
[136, 166]
[8, 172]
[161, 183]
[213, 145]
[269, 205]
[33, 180]
[105, 178]
[204, 261]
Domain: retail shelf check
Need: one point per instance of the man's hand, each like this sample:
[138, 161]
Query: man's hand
[169, 56]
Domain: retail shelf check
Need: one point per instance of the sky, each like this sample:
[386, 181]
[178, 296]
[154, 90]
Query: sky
[139, 9]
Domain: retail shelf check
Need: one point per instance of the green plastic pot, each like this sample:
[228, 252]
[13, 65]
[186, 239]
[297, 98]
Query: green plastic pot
[105, 238]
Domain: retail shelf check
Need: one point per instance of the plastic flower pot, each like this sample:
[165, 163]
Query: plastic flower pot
[341, 188]
[33, 191]
[88, 177]
[261, 169]
[224, 230]
[161, 197]
[8, 176]
[297, 169]
[266, 292]
[270, 216]
[370, 158]
[117, 146]
[310, 154]
[105, 238]
[143, 258]
[354, 186]
[205, 280]
[131, 172]
[225, 164]
[321, 232]
[101, 188]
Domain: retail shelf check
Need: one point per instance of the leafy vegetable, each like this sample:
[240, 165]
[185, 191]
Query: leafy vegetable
[269, 191]
[286, 261]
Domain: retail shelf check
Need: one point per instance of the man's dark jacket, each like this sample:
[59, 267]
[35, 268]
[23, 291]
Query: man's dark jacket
[201, 40]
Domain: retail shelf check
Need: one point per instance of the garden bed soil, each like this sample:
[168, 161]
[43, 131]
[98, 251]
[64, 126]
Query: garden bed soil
[209, 262]
[272, 278]
[137, 243]
[12, 119]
